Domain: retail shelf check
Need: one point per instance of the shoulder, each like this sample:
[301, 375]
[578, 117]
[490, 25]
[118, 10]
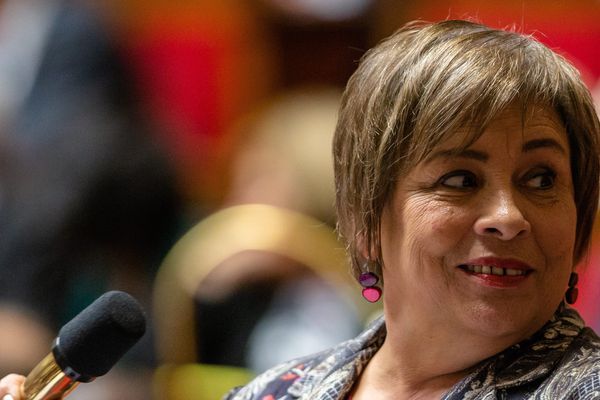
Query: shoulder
[584, 353]
[577, 375]
[333, 369]
[277, 380]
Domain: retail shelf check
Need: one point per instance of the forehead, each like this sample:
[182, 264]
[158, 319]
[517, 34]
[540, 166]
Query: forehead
[515, 124]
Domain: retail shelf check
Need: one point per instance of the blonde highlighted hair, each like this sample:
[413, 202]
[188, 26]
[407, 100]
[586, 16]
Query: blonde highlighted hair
[426, 82]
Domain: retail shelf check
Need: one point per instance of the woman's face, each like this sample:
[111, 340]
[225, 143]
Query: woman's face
[481, 242]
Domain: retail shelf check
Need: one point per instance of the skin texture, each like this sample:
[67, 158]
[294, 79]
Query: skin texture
[507, 198]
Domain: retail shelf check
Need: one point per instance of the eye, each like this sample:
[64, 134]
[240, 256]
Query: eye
[459, 180]
[541, 179]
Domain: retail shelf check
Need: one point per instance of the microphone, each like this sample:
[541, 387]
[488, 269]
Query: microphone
[87, 346]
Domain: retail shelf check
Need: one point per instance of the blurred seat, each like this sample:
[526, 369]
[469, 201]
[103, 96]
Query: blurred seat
[254, 227]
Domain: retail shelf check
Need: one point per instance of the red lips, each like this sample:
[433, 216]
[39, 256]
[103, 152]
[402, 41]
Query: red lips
[497, 272]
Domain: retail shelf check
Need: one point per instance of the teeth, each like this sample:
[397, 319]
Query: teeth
[491, 270]
[514, 272]
[497, 271]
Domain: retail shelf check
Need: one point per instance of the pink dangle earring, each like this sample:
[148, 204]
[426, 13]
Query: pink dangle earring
[368, 280]
[572, 291]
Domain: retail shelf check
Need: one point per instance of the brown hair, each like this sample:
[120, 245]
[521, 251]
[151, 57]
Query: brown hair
[424, 83]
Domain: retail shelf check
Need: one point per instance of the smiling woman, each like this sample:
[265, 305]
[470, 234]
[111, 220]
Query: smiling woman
[467, 166]
[467, 173]
[489, 231]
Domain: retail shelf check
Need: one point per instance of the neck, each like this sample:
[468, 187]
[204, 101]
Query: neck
[423, 361]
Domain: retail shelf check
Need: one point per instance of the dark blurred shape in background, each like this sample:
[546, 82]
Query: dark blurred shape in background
[89, 200]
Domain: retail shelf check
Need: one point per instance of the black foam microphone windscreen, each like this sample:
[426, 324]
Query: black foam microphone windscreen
[91, 343]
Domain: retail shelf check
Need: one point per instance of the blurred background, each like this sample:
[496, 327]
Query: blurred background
[180, 151]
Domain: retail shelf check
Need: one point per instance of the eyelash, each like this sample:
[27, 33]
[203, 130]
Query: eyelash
[542, 172]
[465, 174]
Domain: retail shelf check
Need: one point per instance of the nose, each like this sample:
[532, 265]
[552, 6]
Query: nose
[502, 218]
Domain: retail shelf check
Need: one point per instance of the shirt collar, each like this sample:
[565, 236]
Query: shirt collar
[537, 357]
[342, 365]
[525, 362]
[520, 364]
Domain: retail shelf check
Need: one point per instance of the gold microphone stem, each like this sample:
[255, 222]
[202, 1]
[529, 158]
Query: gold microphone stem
[47, 381]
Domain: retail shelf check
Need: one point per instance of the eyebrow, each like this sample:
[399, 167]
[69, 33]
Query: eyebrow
[482, 156]
[543, 143]
[466, 153]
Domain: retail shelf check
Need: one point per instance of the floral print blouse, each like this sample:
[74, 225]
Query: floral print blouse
[561, 361]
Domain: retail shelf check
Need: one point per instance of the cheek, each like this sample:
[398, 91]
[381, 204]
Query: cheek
[438, 227]
[556, 235]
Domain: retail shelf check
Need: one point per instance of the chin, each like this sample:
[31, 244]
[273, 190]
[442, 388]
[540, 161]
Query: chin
[507, 323]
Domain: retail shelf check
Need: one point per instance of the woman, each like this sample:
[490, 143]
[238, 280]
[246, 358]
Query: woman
[467, 169]
[466, 164]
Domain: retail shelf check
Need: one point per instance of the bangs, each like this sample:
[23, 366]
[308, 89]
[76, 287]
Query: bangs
[469, 80]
